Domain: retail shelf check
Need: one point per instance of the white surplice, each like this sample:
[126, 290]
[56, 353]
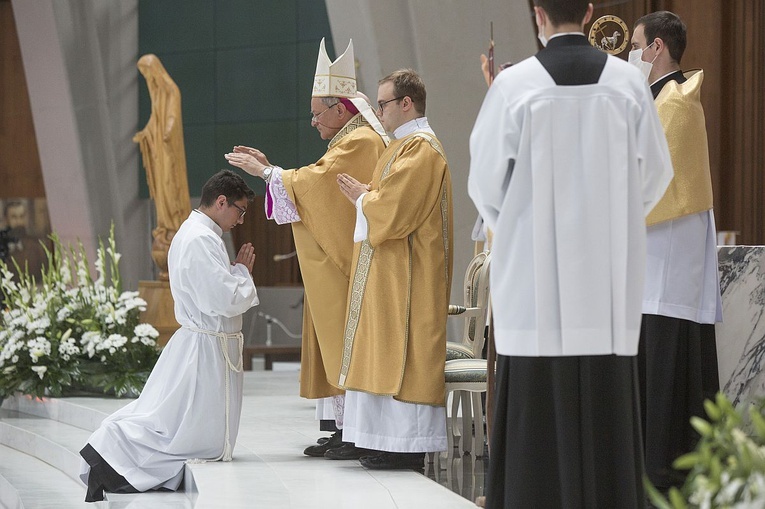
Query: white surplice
[381, 422]
[181, 413]
[569, 246]
[682, 279]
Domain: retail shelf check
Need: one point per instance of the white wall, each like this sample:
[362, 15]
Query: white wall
[79, 60]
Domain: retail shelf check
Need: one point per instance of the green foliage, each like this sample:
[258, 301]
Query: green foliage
[727, 468]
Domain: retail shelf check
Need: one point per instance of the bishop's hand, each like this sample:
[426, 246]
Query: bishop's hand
[257, 154]
[247, 162]
[351, 187]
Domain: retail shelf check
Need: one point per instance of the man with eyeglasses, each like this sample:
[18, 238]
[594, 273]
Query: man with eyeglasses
[322, 226]
[192, 401]
[681, 300]
[395, 337]
[567, 157]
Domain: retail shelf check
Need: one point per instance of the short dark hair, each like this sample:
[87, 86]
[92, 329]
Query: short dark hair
[564, 11]
[668, 27]
[407, 83]
[228, 184]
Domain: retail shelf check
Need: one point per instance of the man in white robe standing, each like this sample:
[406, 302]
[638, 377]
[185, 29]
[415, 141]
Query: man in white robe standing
[567, 158]
[191, 404]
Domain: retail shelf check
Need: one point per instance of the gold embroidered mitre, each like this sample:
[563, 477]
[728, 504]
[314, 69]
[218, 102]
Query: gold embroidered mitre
[335, 79]
[681, 114]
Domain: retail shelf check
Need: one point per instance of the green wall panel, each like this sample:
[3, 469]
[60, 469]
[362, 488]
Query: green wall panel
[175, 26]
[245, 71]
[256, 84]
[256, 23]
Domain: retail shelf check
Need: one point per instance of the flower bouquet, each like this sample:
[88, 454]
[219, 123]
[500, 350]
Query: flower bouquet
[71, 332]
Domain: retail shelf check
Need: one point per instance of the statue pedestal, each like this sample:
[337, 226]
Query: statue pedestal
[159, 308]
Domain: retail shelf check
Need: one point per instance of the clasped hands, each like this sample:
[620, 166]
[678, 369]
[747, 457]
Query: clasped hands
[246, 257]
[351, 187]
[249, 159]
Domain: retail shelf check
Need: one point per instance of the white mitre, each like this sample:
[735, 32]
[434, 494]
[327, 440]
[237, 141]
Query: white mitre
[335, 79]
[338, 79]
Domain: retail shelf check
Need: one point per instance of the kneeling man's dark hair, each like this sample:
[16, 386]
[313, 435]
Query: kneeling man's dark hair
[228, 184]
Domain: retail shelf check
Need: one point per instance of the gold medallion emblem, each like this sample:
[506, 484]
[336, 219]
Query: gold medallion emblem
[609, 34]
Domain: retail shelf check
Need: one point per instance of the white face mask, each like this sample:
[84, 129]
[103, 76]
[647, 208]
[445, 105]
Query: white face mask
[541, 33]
[636, 59]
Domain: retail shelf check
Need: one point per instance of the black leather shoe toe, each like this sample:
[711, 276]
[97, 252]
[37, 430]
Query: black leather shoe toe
[394, 461]
[317, 451]
[348, 452]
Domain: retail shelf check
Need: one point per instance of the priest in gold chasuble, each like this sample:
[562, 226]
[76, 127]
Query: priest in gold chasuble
[322, 220]
[395, 335]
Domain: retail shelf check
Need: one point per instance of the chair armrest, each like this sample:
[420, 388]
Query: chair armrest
[462, 310]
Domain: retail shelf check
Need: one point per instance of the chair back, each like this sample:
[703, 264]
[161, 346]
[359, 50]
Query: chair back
[476, 285]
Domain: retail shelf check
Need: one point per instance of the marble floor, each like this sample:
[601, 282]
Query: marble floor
[39, 464]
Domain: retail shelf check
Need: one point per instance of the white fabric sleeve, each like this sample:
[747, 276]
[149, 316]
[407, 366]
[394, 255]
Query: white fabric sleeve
[494, 142]
[216, 286]
[362, 227]
[279, 207]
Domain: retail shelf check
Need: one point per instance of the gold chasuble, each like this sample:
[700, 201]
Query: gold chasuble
[324, 242]
[395, 337]
[681, 114]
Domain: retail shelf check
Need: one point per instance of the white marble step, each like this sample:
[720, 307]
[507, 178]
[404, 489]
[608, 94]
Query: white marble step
[29, 483]
[56, 443]
[269, 469]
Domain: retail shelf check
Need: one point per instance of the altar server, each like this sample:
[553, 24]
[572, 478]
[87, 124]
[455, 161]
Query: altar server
[567, 158]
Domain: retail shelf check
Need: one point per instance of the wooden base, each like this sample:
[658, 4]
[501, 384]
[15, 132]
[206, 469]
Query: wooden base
[160, 310]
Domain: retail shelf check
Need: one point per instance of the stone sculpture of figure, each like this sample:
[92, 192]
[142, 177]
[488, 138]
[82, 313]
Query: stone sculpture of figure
[164, 157]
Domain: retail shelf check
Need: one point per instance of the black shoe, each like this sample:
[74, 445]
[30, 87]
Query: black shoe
[348, 452]
[322, 440]
[394, 461]
[317, 451]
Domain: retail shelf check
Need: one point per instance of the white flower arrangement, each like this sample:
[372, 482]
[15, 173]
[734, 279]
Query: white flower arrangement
[70, 331]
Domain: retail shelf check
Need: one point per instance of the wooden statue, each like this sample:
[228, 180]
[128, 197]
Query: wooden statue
[164, 158]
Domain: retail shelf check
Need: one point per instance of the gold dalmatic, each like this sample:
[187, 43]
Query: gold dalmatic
[681, 114]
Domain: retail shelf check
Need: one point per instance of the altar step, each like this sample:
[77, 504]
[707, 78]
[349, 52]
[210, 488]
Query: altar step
[39, 447]
[269, 470]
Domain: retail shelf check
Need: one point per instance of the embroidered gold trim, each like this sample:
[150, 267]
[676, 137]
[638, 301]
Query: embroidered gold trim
[365, 261]
[354, 308]
[353, 124]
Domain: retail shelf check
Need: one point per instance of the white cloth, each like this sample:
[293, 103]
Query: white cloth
[419, 124]
[385, 424]
[331, 408]
[682, 279]
[181, 412]
[564, 177]
[278, 205]
[324, 409]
